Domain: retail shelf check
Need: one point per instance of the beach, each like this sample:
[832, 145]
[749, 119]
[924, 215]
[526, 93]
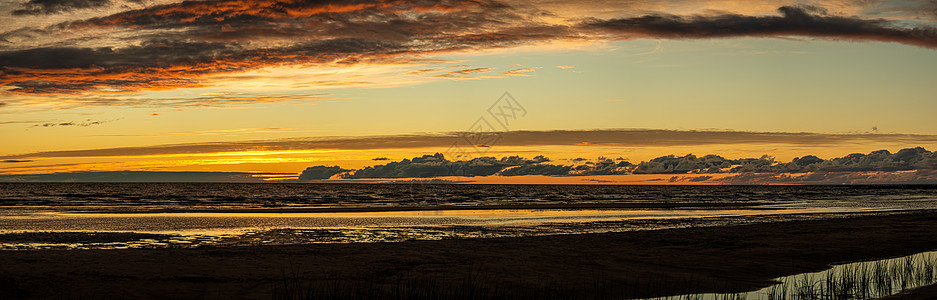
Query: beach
[645, 263]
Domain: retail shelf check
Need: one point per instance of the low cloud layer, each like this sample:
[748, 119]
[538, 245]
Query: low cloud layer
[611, 137]
[906, 166]
[320, 172]
[911, 165]
[138, 176]
[881, 160]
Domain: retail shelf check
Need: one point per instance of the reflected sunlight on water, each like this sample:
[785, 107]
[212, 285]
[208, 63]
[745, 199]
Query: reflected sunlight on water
[198, 214]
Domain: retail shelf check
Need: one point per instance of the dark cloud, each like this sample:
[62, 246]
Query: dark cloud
[690, 163]
[882, 160]
[612, 137]
[2, 104]
[24, 33]
[15, 160]
[329, 15]
[320, 172]
[602, 166]
[179, 44]
[538, 169]
[139, 176]
[380, 158]
[192, 39]
[46, 7]
[149, 54]
[155, 63]
[428, 166]
[676, 179]
[823, 177]
[793, 21]
[877, 161]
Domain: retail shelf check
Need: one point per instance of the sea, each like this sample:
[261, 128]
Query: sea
[154, 215]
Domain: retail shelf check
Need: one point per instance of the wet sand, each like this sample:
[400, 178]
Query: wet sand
[631, 264]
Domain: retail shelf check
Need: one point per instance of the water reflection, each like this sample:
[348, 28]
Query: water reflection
[84, 230]
[181, 223]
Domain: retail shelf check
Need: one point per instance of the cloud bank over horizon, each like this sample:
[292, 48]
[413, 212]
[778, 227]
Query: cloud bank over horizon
[436, 165]
[906, 166]
[520, 138]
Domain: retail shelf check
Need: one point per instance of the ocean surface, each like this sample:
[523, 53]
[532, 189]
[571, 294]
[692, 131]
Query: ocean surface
[133, 215]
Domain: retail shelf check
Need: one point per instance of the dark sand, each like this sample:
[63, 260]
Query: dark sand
[642, 263]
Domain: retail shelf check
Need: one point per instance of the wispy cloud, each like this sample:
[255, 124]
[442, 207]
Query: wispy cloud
[206, 132]
[518, 72]
[84, 123]
[202, 100]
[20, 122]
[463, 73]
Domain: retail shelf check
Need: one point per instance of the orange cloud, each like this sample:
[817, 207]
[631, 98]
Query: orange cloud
[180, 44]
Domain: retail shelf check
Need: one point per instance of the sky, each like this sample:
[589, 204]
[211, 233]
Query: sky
[264, 89]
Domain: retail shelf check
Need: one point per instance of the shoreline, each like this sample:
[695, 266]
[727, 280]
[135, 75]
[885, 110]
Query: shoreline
[586, 206]
[633, 264]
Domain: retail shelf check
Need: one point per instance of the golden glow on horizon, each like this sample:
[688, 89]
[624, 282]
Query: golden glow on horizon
[294, 161]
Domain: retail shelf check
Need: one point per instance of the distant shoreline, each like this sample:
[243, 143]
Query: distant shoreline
[441, 207]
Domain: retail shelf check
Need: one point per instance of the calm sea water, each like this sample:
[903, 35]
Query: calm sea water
[121, 215]
[96, 196]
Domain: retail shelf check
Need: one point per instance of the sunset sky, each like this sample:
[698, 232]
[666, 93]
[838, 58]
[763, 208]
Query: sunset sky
[276, 86]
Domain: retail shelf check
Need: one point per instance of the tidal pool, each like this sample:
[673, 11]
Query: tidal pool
[190, 229]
